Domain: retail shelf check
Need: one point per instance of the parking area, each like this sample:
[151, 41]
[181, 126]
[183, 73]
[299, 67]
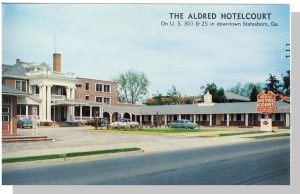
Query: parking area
[76, 139]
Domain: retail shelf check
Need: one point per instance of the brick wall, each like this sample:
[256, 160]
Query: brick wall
[12, 82]
[81, 92]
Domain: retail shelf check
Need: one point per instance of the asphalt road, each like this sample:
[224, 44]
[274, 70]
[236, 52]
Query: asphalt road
[265, 162]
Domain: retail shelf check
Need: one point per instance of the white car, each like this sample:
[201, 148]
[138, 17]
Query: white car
[122, 122]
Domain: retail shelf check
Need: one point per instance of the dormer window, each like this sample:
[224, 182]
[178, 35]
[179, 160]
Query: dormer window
[21, 85]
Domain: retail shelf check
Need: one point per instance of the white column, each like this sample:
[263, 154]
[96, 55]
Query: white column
[29, 89]
[110, 117]
[100, 111]
[210, 119]
[68, 92]
[166, 120]
[80, 113]
[179, 117]
[194, 118]
[26, 110]
[44, 103]
[246, 120]
[287, 119]
[91, 112]
[152, 120]
[122, 115]
[48, 103]
[227, 119]
[141, 119]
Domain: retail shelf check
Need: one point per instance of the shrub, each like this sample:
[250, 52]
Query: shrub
[89, 122]
[46, 123]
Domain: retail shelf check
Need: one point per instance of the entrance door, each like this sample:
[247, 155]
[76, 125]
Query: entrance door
[6, 120]
[218, 120]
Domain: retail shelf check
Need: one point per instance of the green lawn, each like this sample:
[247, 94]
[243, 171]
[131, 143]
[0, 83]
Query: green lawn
[272, 136]
[176, 130]
[240, 133]
[160, 130]
[73, 154]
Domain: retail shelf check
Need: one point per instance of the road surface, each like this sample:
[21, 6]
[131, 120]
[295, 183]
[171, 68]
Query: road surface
[265, 162]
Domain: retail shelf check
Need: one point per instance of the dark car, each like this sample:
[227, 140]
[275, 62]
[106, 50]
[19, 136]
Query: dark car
[101, 121]
[183, 123]
[24, 122]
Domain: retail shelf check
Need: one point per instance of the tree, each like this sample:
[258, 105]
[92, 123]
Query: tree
[246, 89]
[174, 95]
[253, 95]
[286, 84]
[132, 86]
[188, 100]
[218, 94]
[272, 84]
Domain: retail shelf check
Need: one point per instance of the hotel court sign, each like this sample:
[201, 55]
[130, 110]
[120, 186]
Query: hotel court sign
[266, 102]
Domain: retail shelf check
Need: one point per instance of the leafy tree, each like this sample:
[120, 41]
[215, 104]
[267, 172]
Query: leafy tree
[188, 100]
[253, 95]
[286, 84]
[218, 94]
[174, 95]
[246, 89]
[132, 86]
[273, 84]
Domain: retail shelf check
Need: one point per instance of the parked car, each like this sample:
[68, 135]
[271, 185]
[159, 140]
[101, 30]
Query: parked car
[101, 121]
[183, 123]
[122, 122]
[24, 122]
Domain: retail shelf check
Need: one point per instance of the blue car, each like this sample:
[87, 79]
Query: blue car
[183, 123]
[24, 122]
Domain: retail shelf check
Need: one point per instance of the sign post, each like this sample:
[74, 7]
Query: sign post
[266, 104]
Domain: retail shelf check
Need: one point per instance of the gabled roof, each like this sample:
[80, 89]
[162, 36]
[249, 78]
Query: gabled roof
[12, 91]
[16, 71]
[233, 96]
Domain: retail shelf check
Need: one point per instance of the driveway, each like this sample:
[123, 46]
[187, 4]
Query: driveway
[76, 139]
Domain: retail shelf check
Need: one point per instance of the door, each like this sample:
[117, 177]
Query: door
[6, 120]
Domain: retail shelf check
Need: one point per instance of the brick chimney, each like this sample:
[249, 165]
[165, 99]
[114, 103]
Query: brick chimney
[57, 62]
[18, 61]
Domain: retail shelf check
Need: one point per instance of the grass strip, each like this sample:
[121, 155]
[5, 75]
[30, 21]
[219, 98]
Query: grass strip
[73, 154]
[240, 133]
[159, 130]
[272, 136]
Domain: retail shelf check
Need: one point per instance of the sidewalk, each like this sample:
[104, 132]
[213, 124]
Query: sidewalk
[78, 139]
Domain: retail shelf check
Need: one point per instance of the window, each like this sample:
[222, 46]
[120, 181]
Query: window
[204, 118]
[238, 117]
[98, 99]
[277, 117]
[5, 117]
[106, 88]
[21, 110]
[21, 85]
[6, 100]
[87, 97]
[225, 117]
[87, 86]
[106, 100]
[98, 88]
[5, 110]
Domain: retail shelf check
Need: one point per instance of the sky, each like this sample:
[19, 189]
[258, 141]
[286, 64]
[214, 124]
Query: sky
[101, 41]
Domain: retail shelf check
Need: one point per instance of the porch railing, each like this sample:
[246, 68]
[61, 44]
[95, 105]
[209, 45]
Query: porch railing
[58, 97]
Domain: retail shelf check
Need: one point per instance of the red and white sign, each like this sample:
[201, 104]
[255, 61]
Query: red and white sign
[266, 102]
